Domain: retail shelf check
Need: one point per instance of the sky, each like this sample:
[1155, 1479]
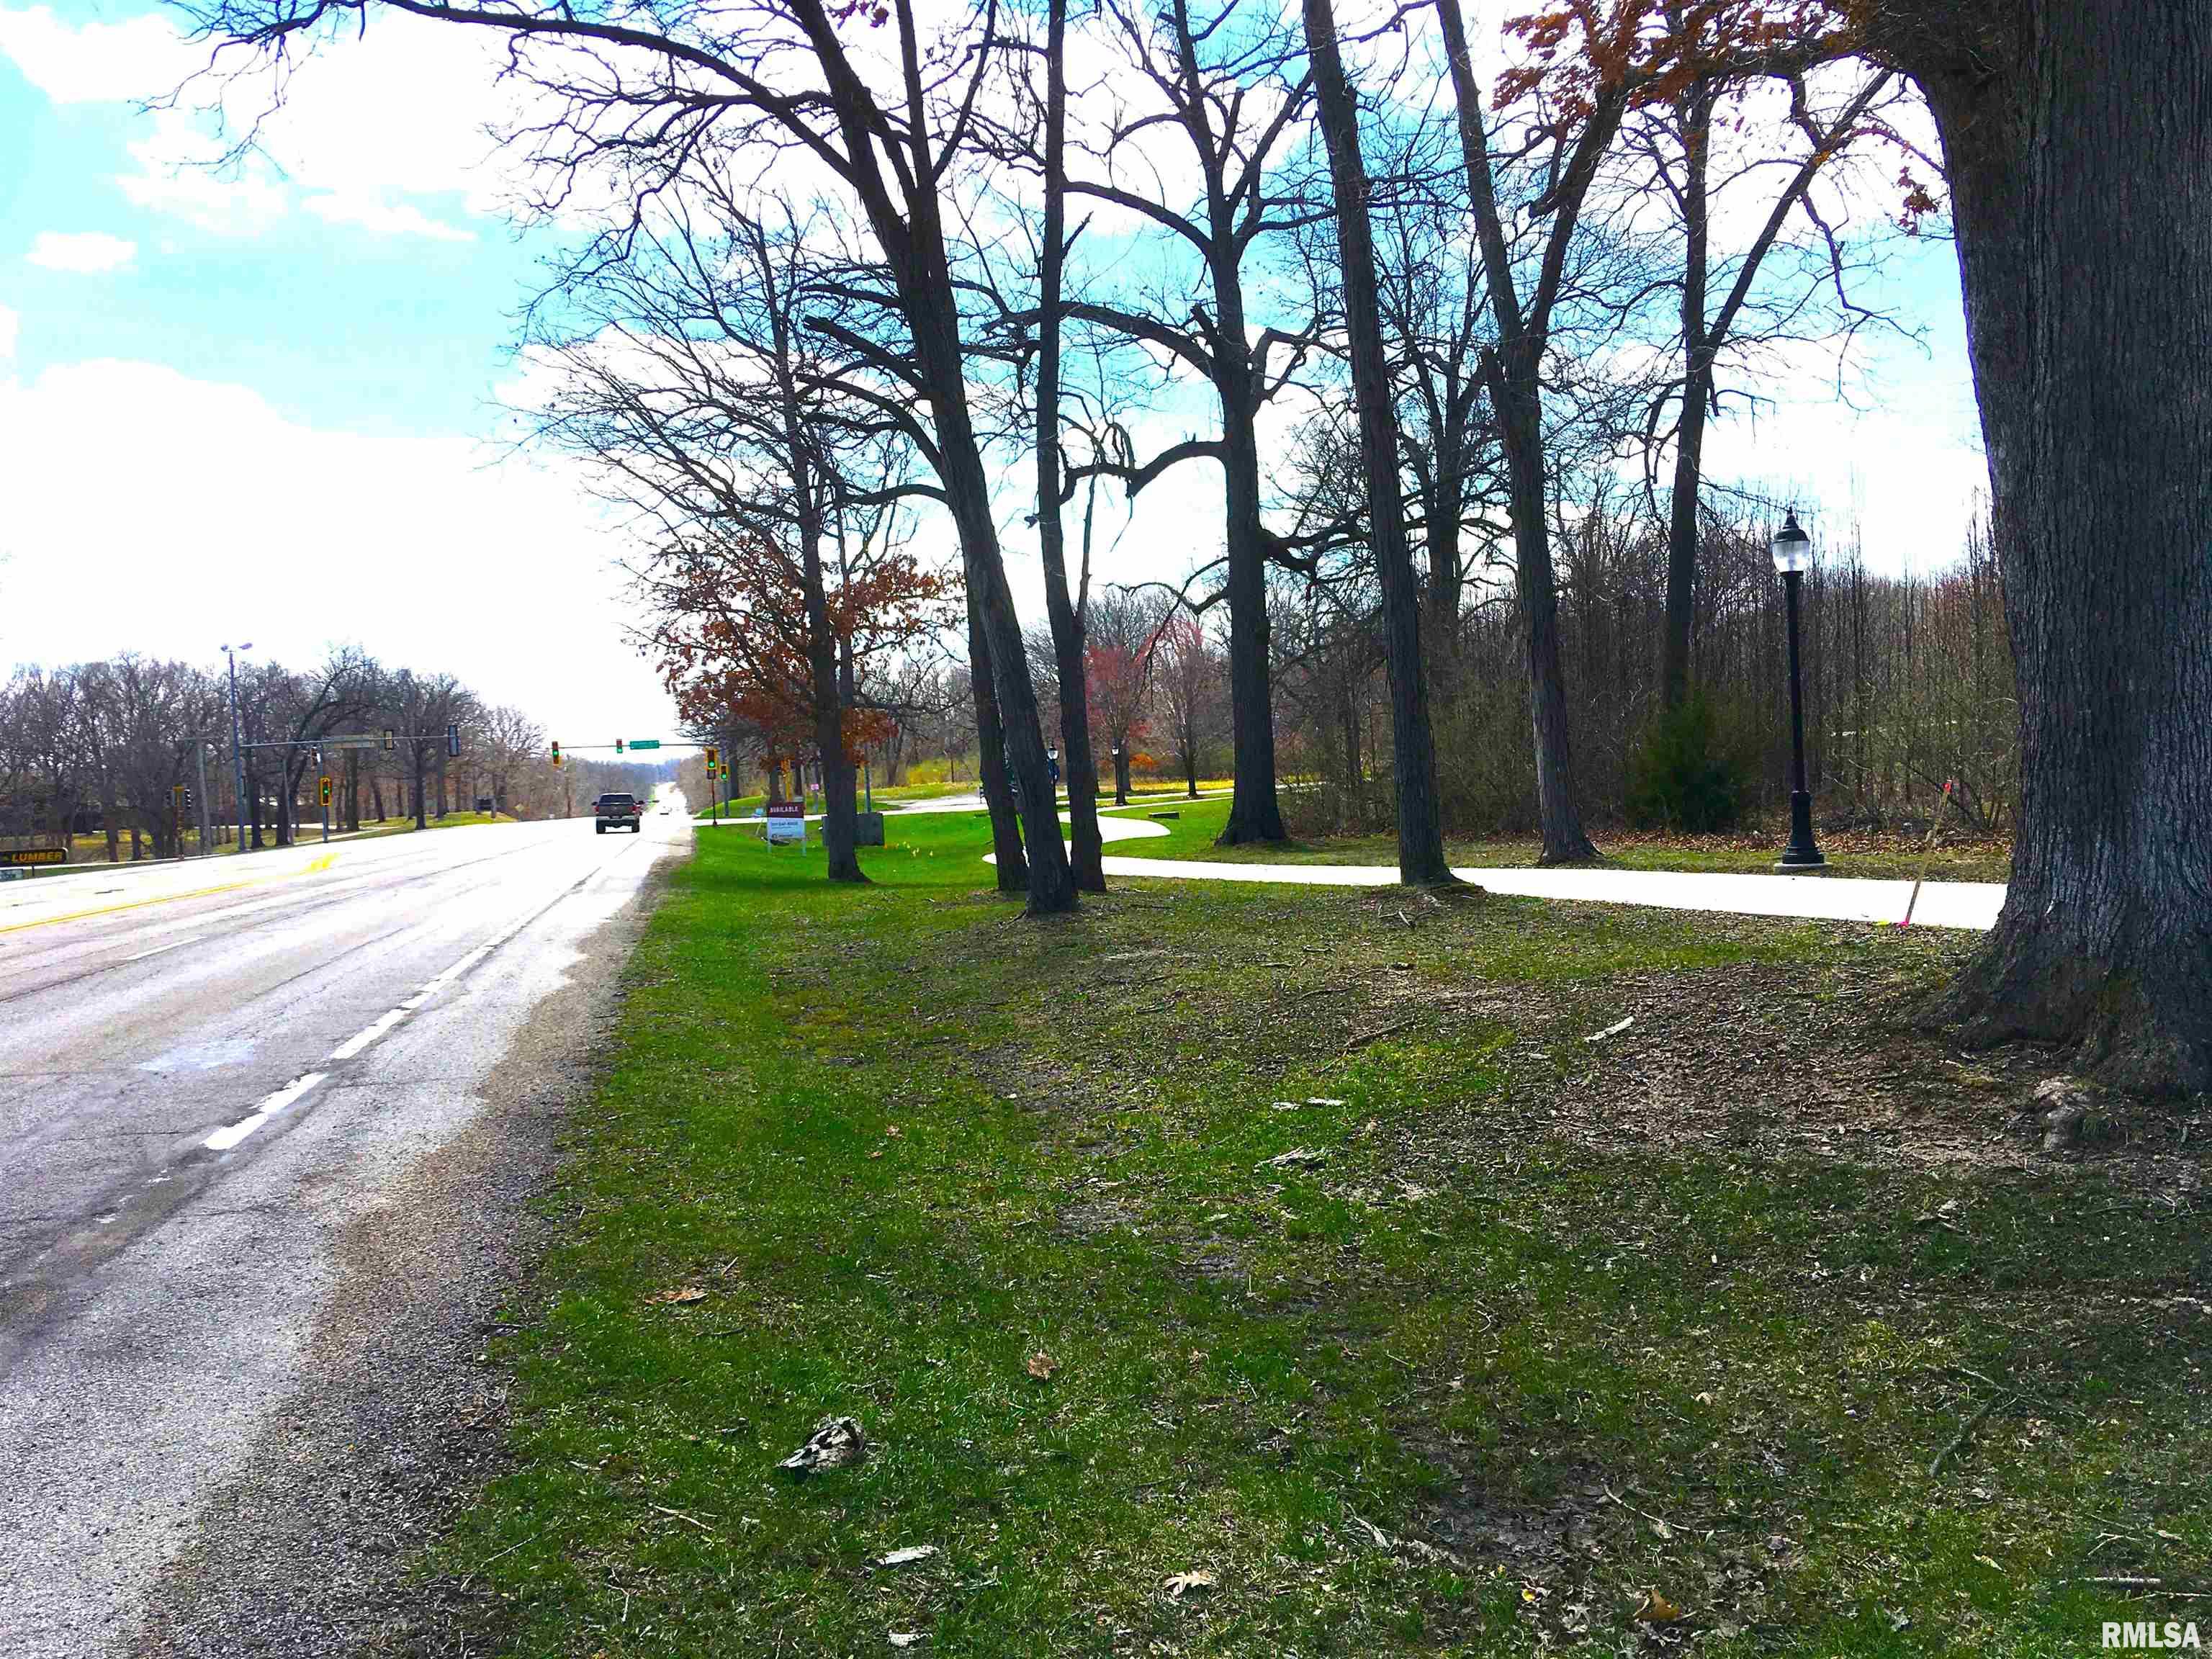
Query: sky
[266, 402]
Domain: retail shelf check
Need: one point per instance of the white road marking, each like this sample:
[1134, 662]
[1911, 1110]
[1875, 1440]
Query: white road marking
[469, 960]
[223, 1139]
[368, 1034]
[360, 1039]
[157, 950]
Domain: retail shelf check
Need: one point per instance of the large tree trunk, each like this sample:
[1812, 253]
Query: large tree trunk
[2080, 175]
[1682, 538]
[1514, 372]
[1696, 108]
[1051, 881]
[926, 295]
[1255, 813]
[1010, 863]
[1559, 816]
[840, 787]
[1085, 845]
[1420, 836]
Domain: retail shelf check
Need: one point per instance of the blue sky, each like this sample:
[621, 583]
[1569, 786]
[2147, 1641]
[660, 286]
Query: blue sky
[334, 324]
[262, 405]
[264, 402]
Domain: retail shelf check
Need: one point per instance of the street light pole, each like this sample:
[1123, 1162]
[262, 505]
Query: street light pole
[1793, 554]
[238, 740]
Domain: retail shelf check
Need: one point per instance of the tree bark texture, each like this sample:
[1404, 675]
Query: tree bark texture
[1255, 812]
[1085, 845]
[1011, 864]
[1697, 108]
[2080, 176]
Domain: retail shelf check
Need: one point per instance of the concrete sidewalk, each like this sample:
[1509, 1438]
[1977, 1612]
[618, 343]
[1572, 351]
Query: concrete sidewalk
[1967, 904]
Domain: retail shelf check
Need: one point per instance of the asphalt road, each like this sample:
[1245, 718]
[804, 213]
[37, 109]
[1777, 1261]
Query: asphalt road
[210, 1078]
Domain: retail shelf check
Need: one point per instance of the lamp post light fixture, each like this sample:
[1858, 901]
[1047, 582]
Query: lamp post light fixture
[1793, 557]
[237, 740]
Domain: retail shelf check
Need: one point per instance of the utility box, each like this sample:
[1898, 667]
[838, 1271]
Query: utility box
[867, 830]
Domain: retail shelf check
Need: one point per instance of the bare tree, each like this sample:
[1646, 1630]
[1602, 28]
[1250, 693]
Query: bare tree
[1226, 81]
[1421, 859]
[1190, 679]
[1514, 370]
[1676, 138]
[643, 91]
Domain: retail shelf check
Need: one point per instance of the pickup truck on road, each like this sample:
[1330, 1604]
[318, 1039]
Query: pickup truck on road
[623, 811]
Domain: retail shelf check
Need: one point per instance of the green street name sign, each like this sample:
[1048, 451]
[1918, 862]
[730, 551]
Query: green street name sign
[645, 742]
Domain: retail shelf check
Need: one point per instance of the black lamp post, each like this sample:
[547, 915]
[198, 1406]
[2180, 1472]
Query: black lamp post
[1793, 557]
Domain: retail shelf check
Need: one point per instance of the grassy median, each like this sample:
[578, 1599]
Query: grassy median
[1272, 1271]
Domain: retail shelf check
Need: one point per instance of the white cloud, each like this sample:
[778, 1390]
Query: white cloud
[238, 518]
[177, 174]
[97, 63]
[368, 128]
[385, 218]
[82, 252]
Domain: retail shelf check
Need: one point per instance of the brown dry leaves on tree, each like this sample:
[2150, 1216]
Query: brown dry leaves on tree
[734, 639]
[1579, 53]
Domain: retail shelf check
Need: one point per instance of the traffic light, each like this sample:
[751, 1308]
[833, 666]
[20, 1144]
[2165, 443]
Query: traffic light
[557, 754]
[725, 768]
[326, 789]
[713, 758]
[387, 737]
[188, 797]
[452, 738]
[618, 745]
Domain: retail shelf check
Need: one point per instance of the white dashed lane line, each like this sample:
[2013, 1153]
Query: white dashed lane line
[360, 1039]
[223, 1139]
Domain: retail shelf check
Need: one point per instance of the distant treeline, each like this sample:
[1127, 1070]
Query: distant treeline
[101, 748]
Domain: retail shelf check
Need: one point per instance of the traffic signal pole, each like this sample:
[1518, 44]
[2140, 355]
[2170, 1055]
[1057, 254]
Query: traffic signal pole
[207, 826]
[238, 745]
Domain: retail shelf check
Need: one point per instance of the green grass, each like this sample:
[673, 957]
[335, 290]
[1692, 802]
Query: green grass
[903, 1140]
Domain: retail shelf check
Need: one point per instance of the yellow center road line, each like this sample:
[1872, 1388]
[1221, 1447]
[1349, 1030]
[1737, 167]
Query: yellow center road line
[135, 904]
[316, 867]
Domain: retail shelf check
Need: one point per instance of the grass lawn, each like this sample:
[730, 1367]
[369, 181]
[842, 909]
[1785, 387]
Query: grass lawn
[1849, 854]
[1302, 1241]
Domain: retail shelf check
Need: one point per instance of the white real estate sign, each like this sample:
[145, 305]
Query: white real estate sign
[787, 823]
